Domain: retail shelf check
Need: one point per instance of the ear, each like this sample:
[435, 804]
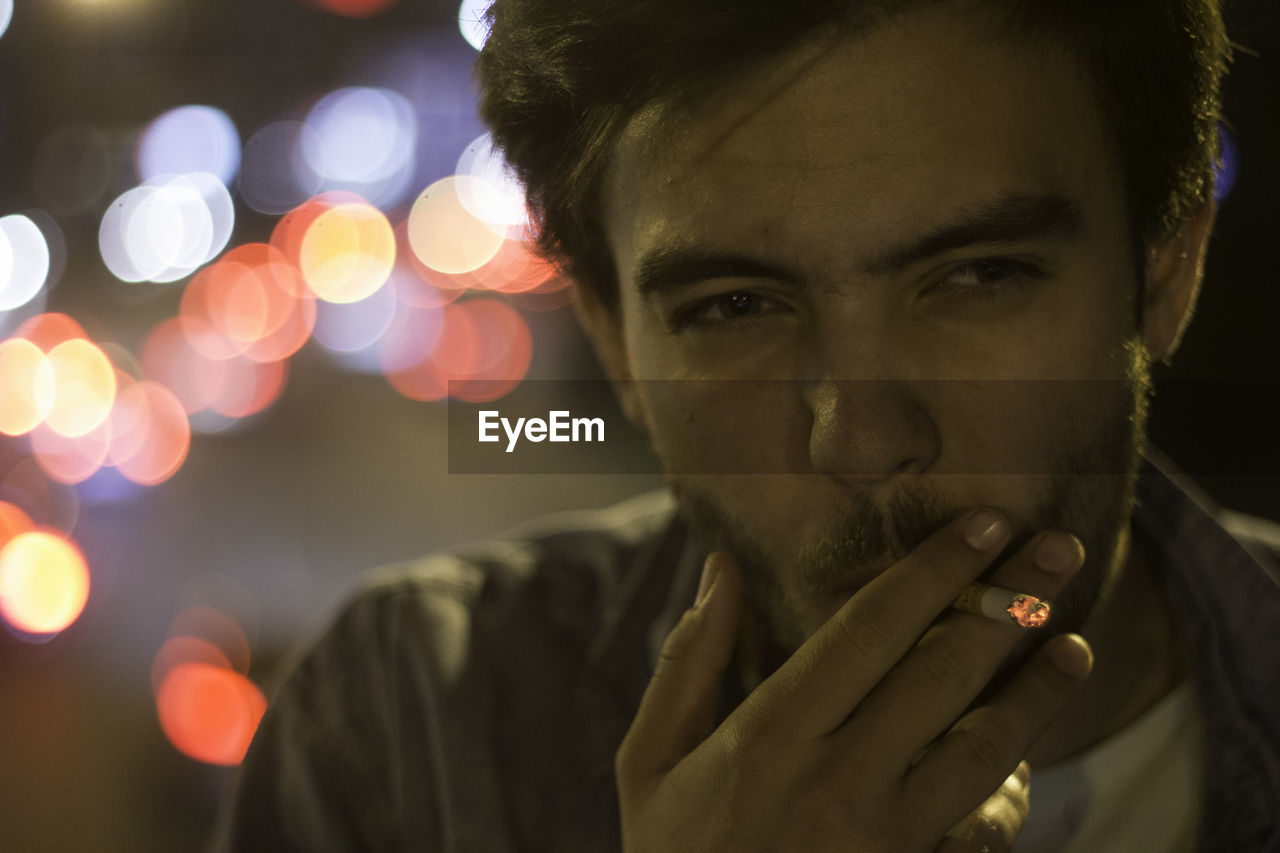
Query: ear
[604, 328]
[1173, 271]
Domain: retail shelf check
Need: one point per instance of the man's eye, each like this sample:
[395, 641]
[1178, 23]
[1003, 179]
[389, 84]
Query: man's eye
[723, 308]
[990, 275]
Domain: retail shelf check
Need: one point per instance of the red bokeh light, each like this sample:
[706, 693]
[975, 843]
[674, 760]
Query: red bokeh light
[209, 712]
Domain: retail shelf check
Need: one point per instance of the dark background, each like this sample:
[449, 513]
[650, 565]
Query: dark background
[271, 522]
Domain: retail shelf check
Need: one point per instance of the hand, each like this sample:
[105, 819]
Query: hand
[820, 755]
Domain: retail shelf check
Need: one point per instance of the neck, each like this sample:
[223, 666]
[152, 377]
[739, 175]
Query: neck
[1137, 659]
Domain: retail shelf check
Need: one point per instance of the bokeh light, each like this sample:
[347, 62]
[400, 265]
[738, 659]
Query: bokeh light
[354, 8]
[13, 520]
[208, 712]
[218, 628]
[495, 194]
[274, 176]
[181, 649]
[84, 386]
[484, 342]
[251, 302]
[472, 24]
[26, 386]
[186, 139]
[347, 252]
[24, 261]
[150, 434]
[364, 142]
[353, 326]
[70, 459]
[445, 236]
[44, 582]
[166, 228]
[48, 330]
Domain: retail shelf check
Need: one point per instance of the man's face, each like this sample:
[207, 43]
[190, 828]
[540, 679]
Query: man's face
[894, 278]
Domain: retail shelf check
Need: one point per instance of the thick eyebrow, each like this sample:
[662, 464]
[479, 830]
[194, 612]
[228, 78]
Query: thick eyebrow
[669, 268]
[1014, 218]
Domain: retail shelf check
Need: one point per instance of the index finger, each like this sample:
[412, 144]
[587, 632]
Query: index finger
[819, 686]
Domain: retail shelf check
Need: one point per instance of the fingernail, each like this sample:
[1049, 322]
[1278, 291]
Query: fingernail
[984, 530]
[1072, 655]
[1058, 552]
[709, 568]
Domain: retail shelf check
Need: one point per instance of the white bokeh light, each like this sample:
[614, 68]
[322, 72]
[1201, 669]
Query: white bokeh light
[189, 139]
[24, 261]
[364, 141]
[167, 228]
[6, 14]
[498, 196]
[471, 22]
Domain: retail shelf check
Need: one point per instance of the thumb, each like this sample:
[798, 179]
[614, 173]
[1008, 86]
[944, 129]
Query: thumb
[994, 826]
[679, 707]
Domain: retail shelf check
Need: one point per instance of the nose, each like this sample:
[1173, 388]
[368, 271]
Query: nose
[868, 431]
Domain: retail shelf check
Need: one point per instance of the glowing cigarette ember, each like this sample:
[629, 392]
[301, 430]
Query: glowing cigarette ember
[1002, 604]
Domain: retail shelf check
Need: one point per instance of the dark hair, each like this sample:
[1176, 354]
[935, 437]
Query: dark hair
[561, 79]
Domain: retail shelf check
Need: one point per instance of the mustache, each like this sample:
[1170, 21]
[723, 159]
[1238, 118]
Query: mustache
[869, 533]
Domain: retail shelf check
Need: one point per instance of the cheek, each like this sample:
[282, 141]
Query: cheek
[718, 427]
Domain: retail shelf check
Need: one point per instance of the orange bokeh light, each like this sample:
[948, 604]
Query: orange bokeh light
[153, 435]
[48, 330]
[217, 628]
[354, 8]
[84, 384]
[347, 253]
[483, 341]
[13, 520]
[252, 302]
[183, 649]
[208, 712]
[170, 357]
[71, 460]
[44, 582]
[26, 386]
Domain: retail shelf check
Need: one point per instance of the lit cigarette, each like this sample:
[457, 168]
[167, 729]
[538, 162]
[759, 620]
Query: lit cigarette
[1003, 605]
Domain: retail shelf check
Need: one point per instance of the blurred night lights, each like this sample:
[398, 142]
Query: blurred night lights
[26, 386]
[84, 388]
[189, 139]
[251, 302]
[166, 228]
[24, 261]
[364, 142]
[44, 582]
[354, 8]
[347, 252]
[445, 236]
[6, 15]
[475, 29]
[352, 327]
[208, 712]
[496, 194]
[274, 177]
[206, 705]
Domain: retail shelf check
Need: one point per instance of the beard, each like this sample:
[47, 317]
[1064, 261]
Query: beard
[1088, 488]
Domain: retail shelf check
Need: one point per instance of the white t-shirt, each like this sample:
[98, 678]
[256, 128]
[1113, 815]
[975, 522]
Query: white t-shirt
[1139, 789]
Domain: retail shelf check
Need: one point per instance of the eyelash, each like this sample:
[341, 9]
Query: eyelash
[1018, 275]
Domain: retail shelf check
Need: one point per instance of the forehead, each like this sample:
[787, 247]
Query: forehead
[844, 145]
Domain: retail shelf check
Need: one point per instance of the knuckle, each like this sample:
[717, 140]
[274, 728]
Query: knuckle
[949, 669]
[867, 637]
[987, 752]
